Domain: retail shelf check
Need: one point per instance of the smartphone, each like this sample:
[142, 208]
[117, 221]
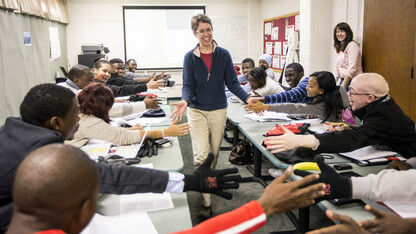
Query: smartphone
[341, 167]
[162, 141]
[349, 174]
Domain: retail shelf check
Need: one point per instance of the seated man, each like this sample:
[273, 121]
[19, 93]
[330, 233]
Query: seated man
[130, 74]
[47, 175]
[102, 72]
[297, 82]
[59, 198]
[79, 76]
[49, 114]
[247, 65]
[117, 66]
[383, 123]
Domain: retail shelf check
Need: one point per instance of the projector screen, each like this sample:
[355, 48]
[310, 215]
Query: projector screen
[159, 37]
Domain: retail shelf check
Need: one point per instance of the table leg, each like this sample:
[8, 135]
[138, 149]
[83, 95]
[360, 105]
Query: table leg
[304, 219]
[236, 135]
[256, 171]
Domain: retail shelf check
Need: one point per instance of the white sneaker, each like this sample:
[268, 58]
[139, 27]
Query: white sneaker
[275, 172]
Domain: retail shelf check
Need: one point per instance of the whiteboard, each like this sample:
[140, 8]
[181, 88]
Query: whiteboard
[158, 38]
[230, 32]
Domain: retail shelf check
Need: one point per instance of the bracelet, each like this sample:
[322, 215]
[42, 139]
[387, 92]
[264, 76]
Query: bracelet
[163, 133]
[317, 144]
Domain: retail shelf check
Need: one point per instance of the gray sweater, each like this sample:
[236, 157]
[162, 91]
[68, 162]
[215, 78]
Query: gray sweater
[309, 108]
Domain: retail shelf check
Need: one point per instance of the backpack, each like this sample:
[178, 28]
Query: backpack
[242, 153]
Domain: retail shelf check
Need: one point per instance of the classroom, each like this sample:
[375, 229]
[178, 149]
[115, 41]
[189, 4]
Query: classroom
[207, 116]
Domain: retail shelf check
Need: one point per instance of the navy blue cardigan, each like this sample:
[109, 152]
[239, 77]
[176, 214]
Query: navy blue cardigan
[206, 91]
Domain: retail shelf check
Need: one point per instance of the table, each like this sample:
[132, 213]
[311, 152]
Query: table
[165, 221]
[235, 114]
[254, 132]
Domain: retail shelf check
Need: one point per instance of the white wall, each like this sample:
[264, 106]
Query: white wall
[101, 21]
[318, 19]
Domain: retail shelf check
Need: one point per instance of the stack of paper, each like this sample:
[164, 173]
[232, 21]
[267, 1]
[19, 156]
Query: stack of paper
[404, 209]
[370, 155]
[133, 222]
[268, 116]
[136, 119]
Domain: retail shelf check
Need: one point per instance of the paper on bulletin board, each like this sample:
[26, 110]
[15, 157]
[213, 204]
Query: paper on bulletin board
[297, 22]
[269, 47]
[275, 33]
[278, 47]
[55, 47]
[268, 28]
[289, 29]
[285, 45]
[276, 61]
[282, 61]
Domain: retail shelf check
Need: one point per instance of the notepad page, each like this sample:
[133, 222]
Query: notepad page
[367, 153]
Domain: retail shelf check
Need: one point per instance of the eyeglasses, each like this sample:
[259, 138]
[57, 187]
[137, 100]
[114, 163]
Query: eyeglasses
[352, 93]
[209, 30]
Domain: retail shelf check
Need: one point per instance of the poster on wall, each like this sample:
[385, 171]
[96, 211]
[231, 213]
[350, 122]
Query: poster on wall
[267, 29]
[269, 48]
[282, 61]
[276, 61]
[277, 30]
[27, 39]
[275, 33]
[285, 45]
[278, 47]
[289, 29]
[297, 22]
[55, 47]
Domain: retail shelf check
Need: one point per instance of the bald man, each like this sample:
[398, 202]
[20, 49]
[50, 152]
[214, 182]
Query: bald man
[383, 123]
[48, 195]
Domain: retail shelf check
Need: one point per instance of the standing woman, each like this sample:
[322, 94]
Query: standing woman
[206, 69]
[348, 64]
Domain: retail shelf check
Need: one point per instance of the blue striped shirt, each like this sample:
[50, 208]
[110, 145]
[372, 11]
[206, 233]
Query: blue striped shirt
[297, 94]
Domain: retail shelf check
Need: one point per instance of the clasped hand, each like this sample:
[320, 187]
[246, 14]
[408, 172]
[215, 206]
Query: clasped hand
[207, 180]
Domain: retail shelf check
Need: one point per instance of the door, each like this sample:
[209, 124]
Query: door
[389, 47]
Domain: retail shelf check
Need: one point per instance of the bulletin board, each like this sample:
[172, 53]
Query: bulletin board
[275, 34]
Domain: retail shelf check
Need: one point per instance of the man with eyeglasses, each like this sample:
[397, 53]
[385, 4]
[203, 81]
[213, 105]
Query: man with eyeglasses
[383, 123]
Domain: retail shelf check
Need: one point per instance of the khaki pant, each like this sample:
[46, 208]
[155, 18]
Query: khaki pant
[207, 131]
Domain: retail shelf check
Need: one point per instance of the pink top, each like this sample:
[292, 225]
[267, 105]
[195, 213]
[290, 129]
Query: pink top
[349, 61]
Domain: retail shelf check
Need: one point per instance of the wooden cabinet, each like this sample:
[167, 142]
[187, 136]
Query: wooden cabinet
[389, 47]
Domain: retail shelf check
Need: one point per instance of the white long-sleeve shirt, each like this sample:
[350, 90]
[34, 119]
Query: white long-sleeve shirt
[387, 185]
[118, 109]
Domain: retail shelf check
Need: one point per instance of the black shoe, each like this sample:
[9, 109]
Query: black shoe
[205, 212]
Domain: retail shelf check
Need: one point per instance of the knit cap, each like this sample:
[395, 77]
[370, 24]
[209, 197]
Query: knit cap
[266, 57]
